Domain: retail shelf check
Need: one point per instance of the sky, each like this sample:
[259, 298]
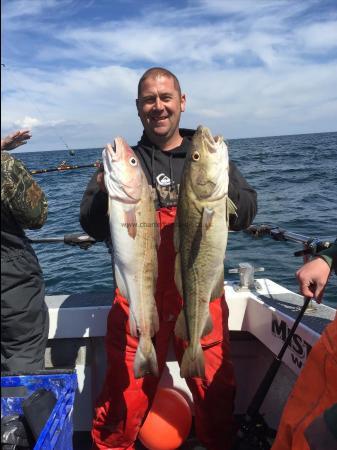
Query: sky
[249, 68]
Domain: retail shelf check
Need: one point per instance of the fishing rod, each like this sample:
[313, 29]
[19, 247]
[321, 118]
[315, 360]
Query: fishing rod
[253, 432]
[64, 166]
[81, 240]
[311, 246]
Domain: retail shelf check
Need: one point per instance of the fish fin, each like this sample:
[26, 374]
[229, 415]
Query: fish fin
[120, 283]
[155, 320]
[193, 365]
[123, 291]
[176, 235]
[109, 207]
[177, 275]
[208, 326]
[130, 222]
[180, 329]
[146, 359]
[231, 208]
[207, 216]
[218, 288]
[133, 324]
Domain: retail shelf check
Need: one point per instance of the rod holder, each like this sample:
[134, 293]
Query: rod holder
[246, 272]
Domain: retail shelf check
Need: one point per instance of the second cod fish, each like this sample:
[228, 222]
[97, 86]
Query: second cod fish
[200, 239]
[134, 237]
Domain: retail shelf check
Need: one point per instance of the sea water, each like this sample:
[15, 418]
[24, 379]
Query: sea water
[296, 181]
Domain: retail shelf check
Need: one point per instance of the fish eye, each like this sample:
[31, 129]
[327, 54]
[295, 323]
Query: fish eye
[196, 156]
[133, 161]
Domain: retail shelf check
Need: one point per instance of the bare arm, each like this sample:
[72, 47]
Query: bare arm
[313, 276]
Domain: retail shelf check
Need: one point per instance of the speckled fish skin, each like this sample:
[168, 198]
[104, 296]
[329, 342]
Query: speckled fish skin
[200, 238]
[134, 235]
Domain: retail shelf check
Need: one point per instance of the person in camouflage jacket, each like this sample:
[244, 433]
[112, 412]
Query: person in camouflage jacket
[24, 314]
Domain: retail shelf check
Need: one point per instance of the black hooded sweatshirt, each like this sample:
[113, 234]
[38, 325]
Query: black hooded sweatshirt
[163, 170]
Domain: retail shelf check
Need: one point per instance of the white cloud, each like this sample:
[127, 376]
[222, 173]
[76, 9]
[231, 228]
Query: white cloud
[318, 36]
[27, 122]
[21, 8]
[248, 68]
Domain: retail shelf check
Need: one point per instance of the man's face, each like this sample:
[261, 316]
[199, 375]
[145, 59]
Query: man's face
[159, 107]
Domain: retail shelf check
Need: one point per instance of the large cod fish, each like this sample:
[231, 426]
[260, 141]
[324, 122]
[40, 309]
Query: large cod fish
[200, 240]
[135, 237]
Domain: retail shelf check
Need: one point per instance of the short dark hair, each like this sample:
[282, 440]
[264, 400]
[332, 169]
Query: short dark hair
[158, 71]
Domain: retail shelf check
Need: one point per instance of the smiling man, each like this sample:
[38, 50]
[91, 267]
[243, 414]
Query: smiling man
[160, 104]
[124, 400]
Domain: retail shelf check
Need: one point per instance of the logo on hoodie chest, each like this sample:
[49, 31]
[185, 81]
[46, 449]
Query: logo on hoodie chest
[163, 180]
[165, 193]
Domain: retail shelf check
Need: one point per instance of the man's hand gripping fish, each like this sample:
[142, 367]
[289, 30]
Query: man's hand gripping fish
[200, 239]
[135, 238]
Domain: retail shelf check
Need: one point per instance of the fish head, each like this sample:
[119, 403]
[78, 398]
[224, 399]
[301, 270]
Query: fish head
[207, 163]
[123, 174]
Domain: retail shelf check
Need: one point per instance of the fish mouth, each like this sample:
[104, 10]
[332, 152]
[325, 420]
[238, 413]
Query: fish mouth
[205, 133]
[112, 154]
[206, 139]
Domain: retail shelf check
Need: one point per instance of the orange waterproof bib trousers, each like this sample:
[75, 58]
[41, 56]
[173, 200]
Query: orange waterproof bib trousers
[314, 391]
[124, 400]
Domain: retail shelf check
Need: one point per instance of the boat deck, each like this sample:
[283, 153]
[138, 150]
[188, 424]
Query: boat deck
[317, 317]
[259, 320]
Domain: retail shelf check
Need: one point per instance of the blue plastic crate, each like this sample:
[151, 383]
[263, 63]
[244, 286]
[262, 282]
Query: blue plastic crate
[58, 431]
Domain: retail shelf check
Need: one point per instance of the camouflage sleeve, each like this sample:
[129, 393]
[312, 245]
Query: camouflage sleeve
[21, 194]
[330, 256]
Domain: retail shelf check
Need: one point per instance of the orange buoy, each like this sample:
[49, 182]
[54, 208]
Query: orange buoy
[168, 422]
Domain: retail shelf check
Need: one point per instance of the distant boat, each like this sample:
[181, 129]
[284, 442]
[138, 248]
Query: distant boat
[63, 166]
[71, 152]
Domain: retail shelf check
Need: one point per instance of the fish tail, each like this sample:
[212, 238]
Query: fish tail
[146, 358]
[193, 363]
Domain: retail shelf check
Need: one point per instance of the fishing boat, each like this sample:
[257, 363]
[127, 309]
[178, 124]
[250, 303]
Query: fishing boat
[261, 316]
